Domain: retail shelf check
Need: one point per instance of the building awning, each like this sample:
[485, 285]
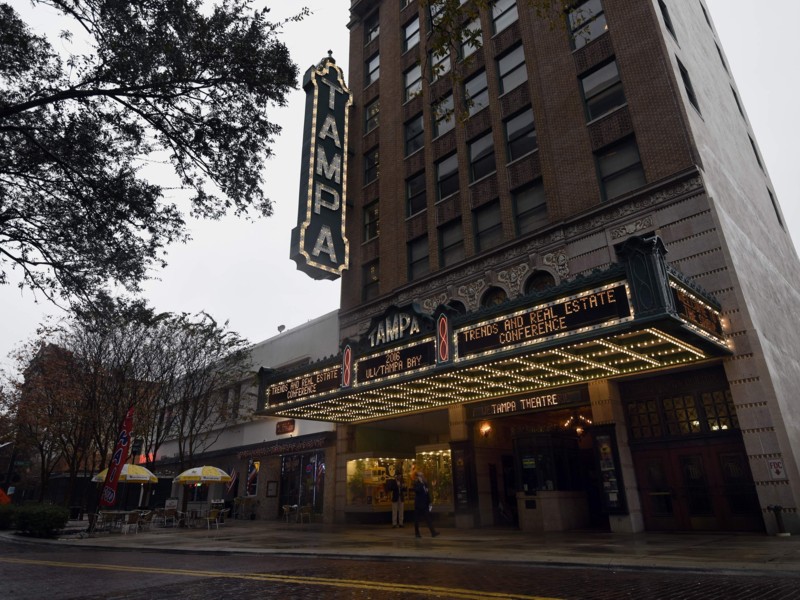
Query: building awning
[635, 317]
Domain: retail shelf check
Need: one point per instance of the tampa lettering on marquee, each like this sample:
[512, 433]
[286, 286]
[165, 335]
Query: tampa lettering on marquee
[319, 245]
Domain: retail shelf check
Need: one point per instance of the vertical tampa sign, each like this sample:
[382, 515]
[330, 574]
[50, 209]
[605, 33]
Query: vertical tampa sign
[319, 245]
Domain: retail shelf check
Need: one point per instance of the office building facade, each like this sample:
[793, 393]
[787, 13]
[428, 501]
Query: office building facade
[570, 286]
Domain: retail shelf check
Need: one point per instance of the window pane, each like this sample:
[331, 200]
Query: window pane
[371, 221]
[451, 243]
[370, 277]
[472, 38]
[444, 116]
[415, 194]
[481, 157]
[371, 28]
[413, 81]
[440, 65]
[512, 70]
[620, 169]
[371, 113]
[504, 13]
[418, 263]
[521, 134]
[411, 34]
[587, 22]
[602, 90]
[477, 93]
[447, 176]
[488, 226]
[371, 165]
[373, 69]
[415, 135]
[530, 208]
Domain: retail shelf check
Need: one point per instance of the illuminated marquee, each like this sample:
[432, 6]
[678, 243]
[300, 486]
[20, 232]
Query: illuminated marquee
[600, 307]
[319, 245]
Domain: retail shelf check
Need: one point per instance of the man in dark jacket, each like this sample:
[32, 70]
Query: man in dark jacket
[395, 488]
[422, 504]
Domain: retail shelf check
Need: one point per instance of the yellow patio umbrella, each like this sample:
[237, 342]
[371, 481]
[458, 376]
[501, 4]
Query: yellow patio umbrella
[130, 474]
[205, 474]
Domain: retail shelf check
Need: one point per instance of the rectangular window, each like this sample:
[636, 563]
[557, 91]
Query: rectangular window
[444, 118]
[371, 221]
[370, 280]
[415, 134]
[471, 38]
[667, 19]
[521, 134]
[586, 22]
[371, 113]
[481, 157]
[413, 82]
[371, 166]
[530, 208]
[602, 90]
[440, 64]
[620, 168]
[416, 198]
[373, 69]
[411, 34]
[447, 176]
[687, 83]
[488, 226]
[372, 27]
[476, 93]
[511, 67]
[418, 258]
[451, 243]
[504, 13]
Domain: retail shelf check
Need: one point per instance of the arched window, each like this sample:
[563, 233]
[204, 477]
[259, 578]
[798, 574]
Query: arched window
[493, 297]
[538, 281]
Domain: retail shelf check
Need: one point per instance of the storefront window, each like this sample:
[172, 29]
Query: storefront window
[303, 480]
[366, 480]
[437, 467]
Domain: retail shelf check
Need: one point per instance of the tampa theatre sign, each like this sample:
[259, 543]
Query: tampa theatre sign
[319, 246]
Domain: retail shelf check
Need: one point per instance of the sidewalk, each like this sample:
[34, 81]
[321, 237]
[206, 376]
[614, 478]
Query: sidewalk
[684, 551]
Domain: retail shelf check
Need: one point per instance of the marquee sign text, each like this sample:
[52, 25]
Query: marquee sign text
[304, 386]
[564, 316]
[397, 362]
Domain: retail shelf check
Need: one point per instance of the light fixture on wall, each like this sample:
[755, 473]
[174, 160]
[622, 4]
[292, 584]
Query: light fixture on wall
[485, 429]
[578, 423]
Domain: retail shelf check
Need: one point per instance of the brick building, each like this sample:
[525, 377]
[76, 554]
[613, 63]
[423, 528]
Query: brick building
[570, 285]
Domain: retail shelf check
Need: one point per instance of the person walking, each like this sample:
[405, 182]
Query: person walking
[397, 490]
[422, 504]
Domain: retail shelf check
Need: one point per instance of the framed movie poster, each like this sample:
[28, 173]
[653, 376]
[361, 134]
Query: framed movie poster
[612, 490]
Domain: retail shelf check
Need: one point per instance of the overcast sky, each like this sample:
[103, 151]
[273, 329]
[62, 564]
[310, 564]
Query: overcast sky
[241, 272]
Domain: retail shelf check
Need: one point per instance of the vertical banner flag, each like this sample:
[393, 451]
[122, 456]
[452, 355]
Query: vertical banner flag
[231, 487]
[109, 495]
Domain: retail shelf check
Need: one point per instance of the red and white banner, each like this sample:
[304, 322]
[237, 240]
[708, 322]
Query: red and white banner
[108, 497]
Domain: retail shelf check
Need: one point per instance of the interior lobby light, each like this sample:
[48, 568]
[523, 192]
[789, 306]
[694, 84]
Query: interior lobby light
[485, 429]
